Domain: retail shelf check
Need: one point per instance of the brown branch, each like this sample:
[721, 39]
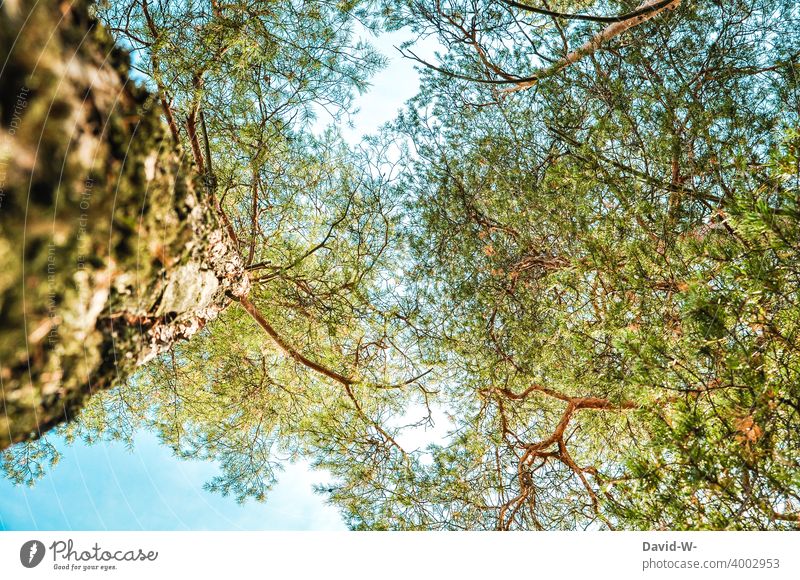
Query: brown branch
[605, 404]
[225, 221]
[539, 450]
[532, 389]
[162, 92]
[471, 37]
[348, 389]
[517, 502]
[577, 402]
[254, 223]
[173, 126]
[787, 517]
[643, 9]
[596, 42]
[288, 349]
[191, 129]
[210, 177]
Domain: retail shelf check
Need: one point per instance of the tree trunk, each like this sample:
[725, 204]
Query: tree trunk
[109, 252]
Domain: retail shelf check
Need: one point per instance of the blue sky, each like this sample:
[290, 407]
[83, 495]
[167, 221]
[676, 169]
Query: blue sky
[107, 487]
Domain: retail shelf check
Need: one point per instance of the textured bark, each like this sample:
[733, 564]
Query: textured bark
[108, 251]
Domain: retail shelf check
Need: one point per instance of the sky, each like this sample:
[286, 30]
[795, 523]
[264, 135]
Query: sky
[106, 486]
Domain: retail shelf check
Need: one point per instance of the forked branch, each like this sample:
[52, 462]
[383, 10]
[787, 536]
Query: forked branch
[544, 451]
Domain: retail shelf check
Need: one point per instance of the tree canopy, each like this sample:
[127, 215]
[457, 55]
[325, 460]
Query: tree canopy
[579, 242]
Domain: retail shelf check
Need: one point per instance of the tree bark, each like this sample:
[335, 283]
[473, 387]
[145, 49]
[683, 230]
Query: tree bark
[109, 253]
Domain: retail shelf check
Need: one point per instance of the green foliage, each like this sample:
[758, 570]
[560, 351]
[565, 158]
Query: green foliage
[625, 230]
[27, 462]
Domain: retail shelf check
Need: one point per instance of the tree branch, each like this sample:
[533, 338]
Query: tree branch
[642, 10]
[655, 8]
[288, 349]
[162, 92]
[346, 382]
[254, 224]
